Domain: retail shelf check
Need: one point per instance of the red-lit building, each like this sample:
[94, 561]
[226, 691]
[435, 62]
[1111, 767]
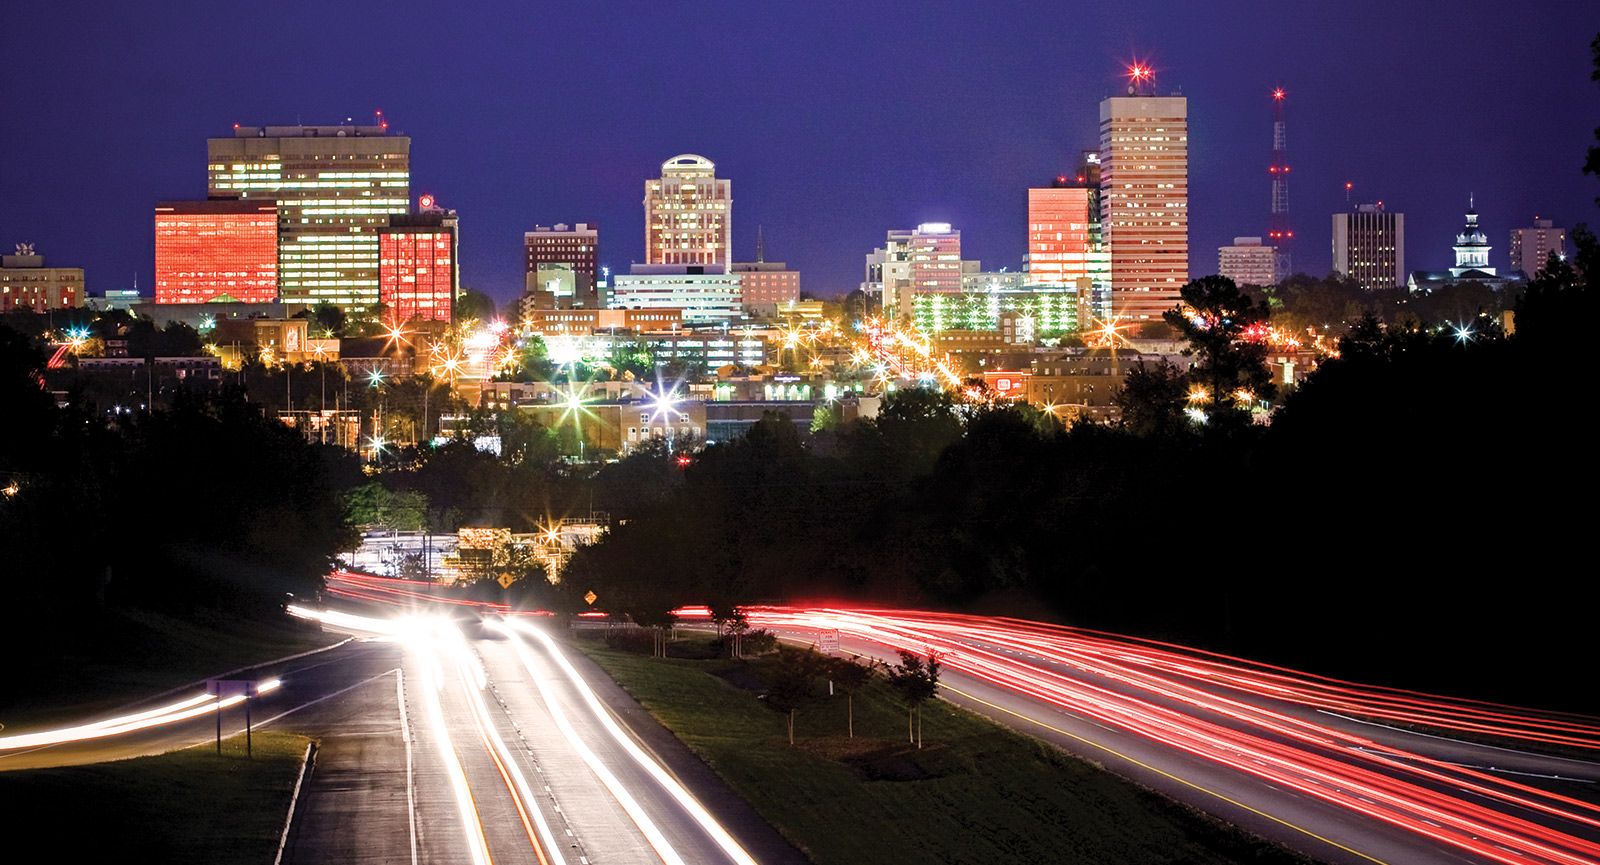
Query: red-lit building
[417, 267]
[1060, 246]
[217, 250]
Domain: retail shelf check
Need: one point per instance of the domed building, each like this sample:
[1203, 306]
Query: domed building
[1472, 263]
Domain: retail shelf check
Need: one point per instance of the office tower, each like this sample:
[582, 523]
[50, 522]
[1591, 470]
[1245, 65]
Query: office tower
[217, 251]
[1280, 232]
[1144, 188]
[1064, 243]
[25, 283]
[1369, 246]
[564, 260]
[767, 284]
[577, 246]
[934, 253]
[417, 274]
[1531, 247]
[1248, 262]
[335, 186]
[687, 215]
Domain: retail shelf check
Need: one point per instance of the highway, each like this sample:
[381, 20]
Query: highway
[1315, 764]
[453, 740]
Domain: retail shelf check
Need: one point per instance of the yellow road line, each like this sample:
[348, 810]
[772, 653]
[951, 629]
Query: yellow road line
[1169, 775]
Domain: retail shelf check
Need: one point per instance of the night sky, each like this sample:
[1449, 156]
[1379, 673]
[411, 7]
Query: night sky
[835, 121]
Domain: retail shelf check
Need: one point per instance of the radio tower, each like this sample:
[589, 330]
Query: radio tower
[1280, 233]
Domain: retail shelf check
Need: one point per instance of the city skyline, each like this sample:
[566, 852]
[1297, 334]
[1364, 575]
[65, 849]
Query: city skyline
[825, 164]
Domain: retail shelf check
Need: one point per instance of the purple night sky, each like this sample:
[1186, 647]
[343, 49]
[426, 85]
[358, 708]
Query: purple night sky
[835, 121]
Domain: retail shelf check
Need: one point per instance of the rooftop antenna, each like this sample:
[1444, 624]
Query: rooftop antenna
[1279, 231]
[761, 250]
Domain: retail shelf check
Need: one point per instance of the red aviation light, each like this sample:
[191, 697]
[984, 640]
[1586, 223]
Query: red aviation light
[1278, 93]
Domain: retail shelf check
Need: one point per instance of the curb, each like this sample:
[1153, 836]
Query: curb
[305, 769]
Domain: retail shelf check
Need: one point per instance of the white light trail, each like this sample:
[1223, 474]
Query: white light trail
[676, 790]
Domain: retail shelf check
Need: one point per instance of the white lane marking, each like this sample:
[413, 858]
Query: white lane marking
[652, 833]
[676, 790]
[1461, 741]
[405, 733]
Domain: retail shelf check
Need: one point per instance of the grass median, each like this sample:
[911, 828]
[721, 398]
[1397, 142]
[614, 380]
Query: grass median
[181, 807]
[976, 792]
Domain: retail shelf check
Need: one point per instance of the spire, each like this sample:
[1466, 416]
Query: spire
[761, 249]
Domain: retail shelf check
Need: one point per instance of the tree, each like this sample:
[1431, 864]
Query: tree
[330, 319]
[1151, 399]
[851, 675]
[1232, 373]
[474, 304]
[793, 681]
[916, 681]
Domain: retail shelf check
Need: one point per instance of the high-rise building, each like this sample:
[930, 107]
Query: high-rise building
[1248, 262]
[688, 216]
[577, 246]
[767, 284]
[25, 283]
[1369, 246]
[1531, 247]
[1060, 243]
[335, 186]
[1144, 189]
[935, 257]
[217, 251]
[704, 298]
[417, 274]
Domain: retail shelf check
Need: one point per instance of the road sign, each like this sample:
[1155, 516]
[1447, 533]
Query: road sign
[591, 597]
[505, 580]
[828, 642]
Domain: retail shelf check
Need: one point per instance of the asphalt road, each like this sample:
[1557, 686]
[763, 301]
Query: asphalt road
[466, 747]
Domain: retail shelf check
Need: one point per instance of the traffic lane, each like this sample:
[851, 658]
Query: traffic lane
[473, 718]
[600, 825]
[304, 681]
[357, 803]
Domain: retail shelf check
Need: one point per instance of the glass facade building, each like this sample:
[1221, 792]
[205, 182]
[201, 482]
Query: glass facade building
[210, 251]
[417, 271]
[335, 187]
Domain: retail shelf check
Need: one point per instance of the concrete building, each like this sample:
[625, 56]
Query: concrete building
[704, 297]
[584, 322]
[1369, 246]
[217, 251]
[688, 217]
[335, 187]
[25, 283]
[418, 278]
[1248, 262]
[1531, 247]
[767, 285]
[569, 257]
[1144, 189]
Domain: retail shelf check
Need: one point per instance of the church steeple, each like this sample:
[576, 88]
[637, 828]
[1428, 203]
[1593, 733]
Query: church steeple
[1472, 245]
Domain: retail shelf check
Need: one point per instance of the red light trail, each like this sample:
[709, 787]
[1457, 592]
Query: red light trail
[1273, 724]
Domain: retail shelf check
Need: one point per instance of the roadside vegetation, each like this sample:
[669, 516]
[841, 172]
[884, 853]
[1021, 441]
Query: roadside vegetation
[974, 792]
[188, 806]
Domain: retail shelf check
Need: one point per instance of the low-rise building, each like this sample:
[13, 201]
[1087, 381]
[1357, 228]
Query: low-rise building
[25, 283]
